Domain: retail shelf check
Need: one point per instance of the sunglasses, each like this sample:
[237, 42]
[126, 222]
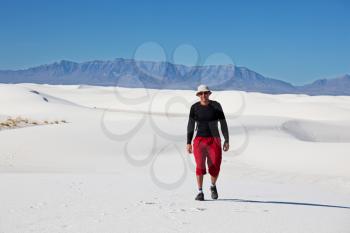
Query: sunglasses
[205, 93]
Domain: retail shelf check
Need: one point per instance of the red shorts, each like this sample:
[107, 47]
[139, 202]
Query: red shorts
[207, 149]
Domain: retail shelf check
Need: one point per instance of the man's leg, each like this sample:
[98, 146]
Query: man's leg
[200, 195]
[200, 158]
[214, 162]
[200, 182]
[214, 179]
[214, 158]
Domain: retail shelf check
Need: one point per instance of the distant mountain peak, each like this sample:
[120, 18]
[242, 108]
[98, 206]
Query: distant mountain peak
[66, 61]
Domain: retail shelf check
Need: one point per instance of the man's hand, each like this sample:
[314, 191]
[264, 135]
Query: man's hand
[189, 148]
[226, 146]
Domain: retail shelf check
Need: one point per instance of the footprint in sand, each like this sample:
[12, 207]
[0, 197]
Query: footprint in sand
[198, 209]
[148, 202]
[182, 210]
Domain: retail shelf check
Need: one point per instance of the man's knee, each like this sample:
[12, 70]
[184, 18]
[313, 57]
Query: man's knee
[200, 171]
[214, 170]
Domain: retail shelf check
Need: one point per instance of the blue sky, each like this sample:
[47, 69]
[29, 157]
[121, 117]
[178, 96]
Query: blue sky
[298, 41]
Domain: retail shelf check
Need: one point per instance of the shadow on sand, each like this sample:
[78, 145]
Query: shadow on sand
[282, 203]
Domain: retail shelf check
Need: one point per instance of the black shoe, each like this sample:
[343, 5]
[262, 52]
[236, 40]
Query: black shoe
[214, 192]
[200, 197]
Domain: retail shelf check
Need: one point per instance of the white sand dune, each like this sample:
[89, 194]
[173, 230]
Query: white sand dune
[119, 164]
[318, 131]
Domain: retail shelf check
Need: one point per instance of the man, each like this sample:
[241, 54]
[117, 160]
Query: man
[207, 143]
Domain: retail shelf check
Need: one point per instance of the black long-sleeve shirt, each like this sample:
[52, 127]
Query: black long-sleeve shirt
[207, 117]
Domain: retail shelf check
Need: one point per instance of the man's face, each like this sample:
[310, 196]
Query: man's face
[204, 96]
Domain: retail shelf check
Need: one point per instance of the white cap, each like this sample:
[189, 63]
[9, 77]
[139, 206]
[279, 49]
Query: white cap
[202, 88]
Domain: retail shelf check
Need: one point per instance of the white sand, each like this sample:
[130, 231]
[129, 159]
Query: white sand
[287, 169]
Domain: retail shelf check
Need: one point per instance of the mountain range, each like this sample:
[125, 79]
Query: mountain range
[164, 75]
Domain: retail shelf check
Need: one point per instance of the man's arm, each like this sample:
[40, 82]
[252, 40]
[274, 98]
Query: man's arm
[190, 125]
[223, 123]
